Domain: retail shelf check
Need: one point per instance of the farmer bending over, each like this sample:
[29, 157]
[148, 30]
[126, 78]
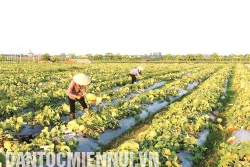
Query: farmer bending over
[134, 72]
[76, 90]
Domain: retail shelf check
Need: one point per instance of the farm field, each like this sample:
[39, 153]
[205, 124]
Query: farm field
[195, 114]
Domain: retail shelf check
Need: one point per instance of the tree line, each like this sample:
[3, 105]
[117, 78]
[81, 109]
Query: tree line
[214, 57]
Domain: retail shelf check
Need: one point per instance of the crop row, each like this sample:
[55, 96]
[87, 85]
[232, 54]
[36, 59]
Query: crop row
[233, 152]
[177, 127]
[125, 90]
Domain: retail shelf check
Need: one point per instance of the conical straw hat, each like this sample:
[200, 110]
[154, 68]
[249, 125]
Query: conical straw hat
[140, 68]
[81, 79]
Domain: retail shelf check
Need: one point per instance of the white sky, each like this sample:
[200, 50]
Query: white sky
[125, 26]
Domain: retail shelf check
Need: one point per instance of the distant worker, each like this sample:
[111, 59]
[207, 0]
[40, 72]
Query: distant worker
[75, 91]
[136, 71]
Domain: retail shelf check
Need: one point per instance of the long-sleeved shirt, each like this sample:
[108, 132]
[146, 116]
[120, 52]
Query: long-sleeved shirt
[74, 90]
[135, 71]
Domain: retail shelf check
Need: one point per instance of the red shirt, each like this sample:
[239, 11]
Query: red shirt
[74, 90]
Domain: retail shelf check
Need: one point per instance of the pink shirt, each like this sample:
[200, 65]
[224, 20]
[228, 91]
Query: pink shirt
[74, 89]
[135, 71]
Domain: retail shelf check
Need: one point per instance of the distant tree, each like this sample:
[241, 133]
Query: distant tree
[215, 56]
[46, 57]
[97, 57]
[117, 56]
[221, 58]
[89, 56]
[247, 56]
[80, 57]
[72, 56]
[126, 57]
[189, 57]
[145, 56]
[160, 56]
[109, 56]
[135, 57]
[198, 57]
[240, 57]
[54, 58]
[232, 56]
[2, 57]
[178, 57]
[168, 57]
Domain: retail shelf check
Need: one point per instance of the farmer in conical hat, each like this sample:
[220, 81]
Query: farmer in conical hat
[136, 71]
[75, 91]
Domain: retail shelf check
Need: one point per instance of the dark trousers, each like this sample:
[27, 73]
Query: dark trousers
[72, 104]
[133, 78]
